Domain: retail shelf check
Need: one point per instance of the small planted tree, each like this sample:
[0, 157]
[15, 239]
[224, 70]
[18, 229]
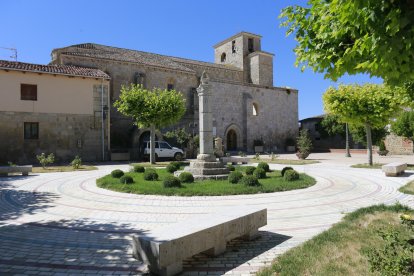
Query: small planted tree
[154, 108]
[369, 105]
[45, 160]
[304, 144]
[404, 125]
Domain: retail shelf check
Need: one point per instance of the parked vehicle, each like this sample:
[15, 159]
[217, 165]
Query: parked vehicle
[163, 150]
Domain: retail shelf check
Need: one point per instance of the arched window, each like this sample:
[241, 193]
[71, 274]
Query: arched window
[255, 109]
[223, 57]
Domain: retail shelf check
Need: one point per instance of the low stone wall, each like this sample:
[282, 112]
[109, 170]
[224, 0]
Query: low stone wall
[398, 145]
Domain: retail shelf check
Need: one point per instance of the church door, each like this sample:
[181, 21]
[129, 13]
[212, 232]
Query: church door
[231, 140]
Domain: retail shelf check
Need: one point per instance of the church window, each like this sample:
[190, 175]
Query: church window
[233, 46]
[255, 109]
[250, 45]
[223, 57]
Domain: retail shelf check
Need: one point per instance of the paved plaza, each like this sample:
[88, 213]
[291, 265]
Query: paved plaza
[62, 224]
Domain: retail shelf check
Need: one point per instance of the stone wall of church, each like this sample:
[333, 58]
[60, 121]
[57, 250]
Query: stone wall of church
[276, 118]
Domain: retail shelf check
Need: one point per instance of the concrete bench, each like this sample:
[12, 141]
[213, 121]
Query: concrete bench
[5, 170]
[164, 250]
[394, 169]
[235, 160]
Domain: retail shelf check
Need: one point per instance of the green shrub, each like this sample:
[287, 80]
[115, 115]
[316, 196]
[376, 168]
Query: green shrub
[249, 170]
[291, 175]
[231, 168]
[77, 162]
[186, 177]
[177, 164]
[250, 180]
[150, 175]
[171, 181]
[171, 168]
[45, 160]
[126, 179]
[264, 166]
[234, 177]
[259, 173]
[138, 169]
[284, 170]
[382, 146]
[117, 173]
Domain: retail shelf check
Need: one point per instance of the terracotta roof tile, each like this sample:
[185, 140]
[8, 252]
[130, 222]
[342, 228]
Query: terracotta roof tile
[53, 69]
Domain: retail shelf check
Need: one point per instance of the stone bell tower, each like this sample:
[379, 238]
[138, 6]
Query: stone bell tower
[243, 51]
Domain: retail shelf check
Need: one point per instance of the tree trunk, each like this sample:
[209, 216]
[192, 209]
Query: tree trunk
[152, 144]
[369, 144]
[347, 154]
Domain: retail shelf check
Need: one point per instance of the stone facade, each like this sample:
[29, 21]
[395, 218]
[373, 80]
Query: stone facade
[243, 78]
[67, 111]
[398, 145]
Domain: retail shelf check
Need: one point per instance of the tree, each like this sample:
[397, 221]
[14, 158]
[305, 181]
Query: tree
[330, 126]
[154, 108]
[359, 134]
[404, 125]
[368, 105]
[340, 36]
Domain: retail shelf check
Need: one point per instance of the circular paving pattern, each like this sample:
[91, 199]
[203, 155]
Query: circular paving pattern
[61, 223]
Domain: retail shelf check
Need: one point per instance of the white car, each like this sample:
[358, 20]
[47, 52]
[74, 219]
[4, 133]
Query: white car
[164, 150]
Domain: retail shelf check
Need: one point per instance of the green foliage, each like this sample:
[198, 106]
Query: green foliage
[250, 180]
[291, 175]
[249, 170]
[151, 107]
[186, 177]
[242, 154]
[231, 167]
[77, 162]
[150, 175]
[394, 258]
[45, 160]
[138, 169]
[382, 146]
[359, 134]
[331, 126]
[172, 168]
[304, 142]
[284, 170]
[235, 177]
[259, 173]
[117, 173]
[171, 182]
[257, 156]
[350, 37]
[126, 179]
[404, 125]
[264, 166]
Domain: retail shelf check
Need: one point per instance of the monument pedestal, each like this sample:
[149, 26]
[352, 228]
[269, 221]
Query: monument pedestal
[207, 167]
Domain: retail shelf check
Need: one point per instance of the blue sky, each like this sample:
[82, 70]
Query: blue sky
[182, 28]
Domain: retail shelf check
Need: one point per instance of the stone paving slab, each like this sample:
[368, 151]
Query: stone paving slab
[62, 224]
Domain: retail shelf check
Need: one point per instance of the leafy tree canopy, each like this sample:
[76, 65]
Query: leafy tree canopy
[331, 126]
[151, 107]
[359, 134]
[350, 36]
[404, 125]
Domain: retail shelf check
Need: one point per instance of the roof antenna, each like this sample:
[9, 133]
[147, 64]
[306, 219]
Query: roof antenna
[14, 50]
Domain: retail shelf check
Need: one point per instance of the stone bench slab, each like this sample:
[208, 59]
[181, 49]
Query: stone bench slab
[394, 169]
[5, 170]
[164, 250]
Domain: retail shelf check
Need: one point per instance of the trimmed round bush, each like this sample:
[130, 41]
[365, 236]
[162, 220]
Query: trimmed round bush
[150, 175]
[234, 177]
[171, 182]
[126, 179]
[139, 169]
[117, 173]
[264, 166]
[231, 168]
[249, 170]
[186, 177]
[250, 180]
[259, 173]
[291, 175]
[177, 164]
[284, 170]
[171, 168]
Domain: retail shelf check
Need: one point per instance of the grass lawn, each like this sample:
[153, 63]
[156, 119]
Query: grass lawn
[407, 188]
[273, 183]
[62, 169]
[339, 250]
[376, 166]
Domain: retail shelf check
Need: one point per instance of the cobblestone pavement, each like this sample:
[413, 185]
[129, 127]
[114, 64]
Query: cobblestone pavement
[62, 224]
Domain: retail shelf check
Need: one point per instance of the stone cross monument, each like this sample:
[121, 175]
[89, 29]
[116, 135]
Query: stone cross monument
[206, 166]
